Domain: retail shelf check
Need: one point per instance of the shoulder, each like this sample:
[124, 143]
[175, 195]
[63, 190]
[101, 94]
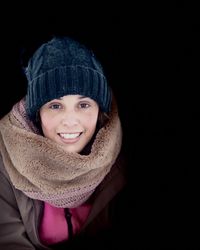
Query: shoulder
[7, 195]
[116, 179]
[5, 180]
[119, 168]
[3, 172]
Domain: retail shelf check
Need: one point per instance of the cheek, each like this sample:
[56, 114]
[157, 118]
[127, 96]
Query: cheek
[91, 122]
[47, 122]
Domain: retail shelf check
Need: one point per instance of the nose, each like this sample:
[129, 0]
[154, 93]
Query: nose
[70, 119]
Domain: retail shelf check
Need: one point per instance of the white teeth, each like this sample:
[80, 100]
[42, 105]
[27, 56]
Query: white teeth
[69, 136]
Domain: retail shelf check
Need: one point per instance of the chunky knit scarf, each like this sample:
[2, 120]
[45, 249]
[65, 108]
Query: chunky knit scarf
[43, 170]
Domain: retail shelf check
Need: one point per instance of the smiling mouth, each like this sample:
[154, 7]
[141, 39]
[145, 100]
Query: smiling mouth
[69, 135]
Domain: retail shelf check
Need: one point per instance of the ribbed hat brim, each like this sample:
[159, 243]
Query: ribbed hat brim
[67, 80]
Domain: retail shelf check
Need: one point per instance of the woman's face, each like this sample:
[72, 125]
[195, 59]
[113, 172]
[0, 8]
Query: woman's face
[70, 121]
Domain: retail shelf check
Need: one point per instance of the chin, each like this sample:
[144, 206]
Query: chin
[72, 149]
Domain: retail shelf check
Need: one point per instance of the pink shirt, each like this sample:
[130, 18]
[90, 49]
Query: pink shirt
[53, 227]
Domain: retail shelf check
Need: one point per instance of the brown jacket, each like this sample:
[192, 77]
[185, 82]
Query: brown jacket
[20, 215]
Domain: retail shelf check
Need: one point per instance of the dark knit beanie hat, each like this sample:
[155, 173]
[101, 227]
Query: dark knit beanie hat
[61, 67]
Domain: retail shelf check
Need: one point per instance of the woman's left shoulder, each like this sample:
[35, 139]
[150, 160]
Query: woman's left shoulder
[120, 165]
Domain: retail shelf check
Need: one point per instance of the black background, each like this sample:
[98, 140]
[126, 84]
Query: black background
[150, 52]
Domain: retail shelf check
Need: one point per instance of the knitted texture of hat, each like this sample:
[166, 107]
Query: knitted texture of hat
[60, 67]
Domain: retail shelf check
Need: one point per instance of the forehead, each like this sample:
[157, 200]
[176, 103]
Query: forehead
[73, 96]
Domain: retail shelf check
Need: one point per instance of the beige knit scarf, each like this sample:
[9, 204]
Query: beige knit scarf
[43, 170]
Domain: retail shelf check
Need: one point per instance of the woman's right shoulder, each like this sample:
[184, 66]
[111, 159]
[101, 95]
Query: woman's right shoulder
[7, 195]
[6, 186]
[3, 171]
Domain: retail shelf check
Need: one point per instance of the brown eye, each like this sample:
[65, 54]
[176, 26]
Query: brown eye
[55, 106]
[84, 105]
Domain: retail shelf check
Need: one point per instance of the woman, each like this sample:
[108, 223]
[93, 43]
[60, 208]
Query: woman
[60, 163]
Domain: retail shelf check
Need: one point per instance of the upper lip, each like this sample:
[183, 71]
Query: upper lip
[69, 132]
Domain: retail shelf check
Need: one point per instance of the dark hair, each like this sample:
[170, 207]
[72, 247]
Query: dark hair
[102, 119]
